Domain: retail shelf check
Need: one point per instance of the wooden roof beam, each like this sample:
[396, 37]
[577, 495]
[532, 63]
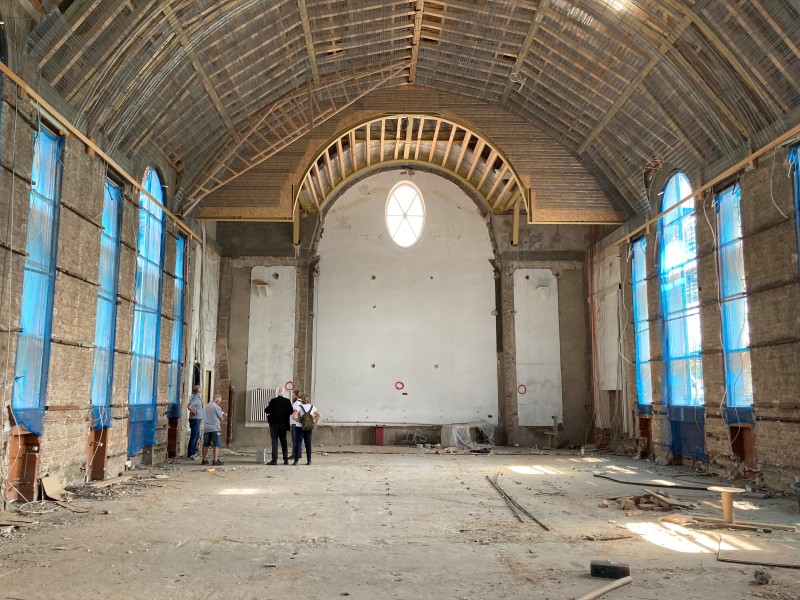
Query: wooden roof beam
[634, 85]
[730, 57]
[312, 56]
[199, 70]
[419, 7]
[526, 47]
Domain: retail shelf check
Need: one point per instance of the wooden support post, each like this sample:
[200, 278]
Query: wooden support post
[296, 224]
[515, 228]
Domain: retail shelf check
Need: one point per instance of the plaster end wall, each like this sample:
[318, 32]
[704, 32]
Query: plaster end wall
[420, 319]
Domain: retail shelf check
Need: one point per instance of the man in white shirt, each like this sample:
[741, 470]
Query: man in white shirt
[212, 425]
[294, 425]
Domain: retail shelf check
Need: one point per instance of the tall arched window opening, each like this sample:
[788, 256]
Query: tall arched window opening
[143, 393]
[38, 283]
[106, 314]
[682, 384]
[176, 348]
[641, 325]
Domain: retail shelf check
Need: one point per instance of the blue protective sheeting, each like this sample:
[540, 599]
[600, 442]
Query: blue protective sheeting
[106, 314]
[176, 349]
[794, 158]
[682, 383]
[683, 378]
[145, 337]
[641, 326]
[733, 302]
[38, 284]
[687, 427]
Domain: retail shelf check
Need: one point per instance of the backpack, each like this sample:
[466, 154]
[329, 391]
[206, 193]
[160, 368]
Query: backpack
[306, 419]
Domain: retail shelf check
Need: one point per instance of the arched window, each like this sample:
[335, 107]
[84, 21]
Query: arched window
[106, 314]
[405, 214]
[38, 283]
[683, 376]
[146, 317]
[176, 349]
[641, 326]
[733, 302]
[794, 158]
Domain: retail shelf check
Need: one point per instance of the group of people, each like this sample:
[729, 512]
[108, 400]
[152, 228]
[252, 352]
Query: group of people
[298, 416]
[210, 417]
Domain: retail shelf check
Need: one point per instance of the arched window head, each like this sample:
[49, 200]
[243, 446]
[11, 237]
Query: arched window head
[153, 185]
[405, 214]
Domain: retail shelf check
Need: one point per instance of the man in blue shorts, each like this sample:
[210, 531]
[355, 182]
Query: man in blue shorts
[212, 418]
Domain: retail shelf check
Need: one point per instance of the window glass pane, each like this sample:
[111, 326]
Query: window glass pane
[106, 314]
[640, 322]
[733, 300]
[146, 318]
[680, 298]
[38, 284]
[405, 214]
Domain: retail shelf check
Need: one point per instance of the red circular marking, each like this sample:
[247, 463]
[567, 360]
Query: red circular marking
[521, 389]
[399, 385]
[289, 385]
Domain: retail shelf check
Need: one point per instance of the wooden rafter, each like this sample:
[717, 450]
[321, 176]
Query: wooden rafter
[230, 152]
[419, 8]
[504, 188]
[312, 55]
[744, 74]
[634, 85]
[199, 70]
[525, 48]
[73, 25]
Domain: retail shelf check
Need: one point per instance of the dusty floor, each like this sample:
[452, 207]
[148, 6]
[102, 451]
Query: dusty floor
[370, 525]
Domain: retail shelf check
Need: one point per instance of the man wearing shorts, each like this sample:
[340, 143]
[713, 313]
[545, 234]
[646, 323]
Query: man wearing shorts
[212, 417]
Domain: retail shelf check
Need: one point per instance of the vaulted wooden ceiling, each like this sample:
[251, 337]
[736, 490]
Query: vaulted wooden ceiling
[216, 86]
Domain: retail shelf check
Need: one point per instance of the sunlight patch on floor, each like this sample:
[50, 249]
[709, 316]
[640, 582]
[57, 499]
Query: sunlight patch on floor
[534, 470]
[240, 492]
[682, 539]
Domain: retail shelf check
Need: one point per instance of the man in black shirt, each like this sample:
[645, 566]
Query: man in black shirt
[278, 412]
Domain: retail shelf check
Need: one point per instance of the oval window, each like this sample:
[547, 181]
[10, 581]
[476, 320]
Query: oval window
[405, 214]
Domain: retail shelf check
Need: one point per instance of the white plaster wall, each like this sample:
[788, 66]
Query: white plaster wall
[421, 315]
[270, 346]
[606, 305]
[538, 347]
[204, 308]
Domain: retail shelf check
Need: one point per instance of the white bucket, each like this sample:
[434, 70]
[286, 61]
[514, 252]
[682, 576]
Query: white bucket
[261, 455]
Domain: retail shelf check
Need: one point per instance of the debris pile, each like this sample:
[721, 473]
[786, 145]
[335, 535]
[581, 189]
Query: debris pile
[654, 500]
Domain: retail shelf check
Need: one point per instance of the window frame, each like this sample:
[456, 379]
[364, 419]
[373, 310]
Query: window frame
[147, 307]
[641, 326]
[101, 391]
[27, 403]
[680, 313]
[389, 198]
[794, 158]
[176, 345]
[733, 298]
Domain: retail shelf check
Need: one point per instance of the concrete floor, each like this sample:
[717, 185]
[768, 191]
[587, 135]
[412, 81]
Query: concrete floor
[407, 524]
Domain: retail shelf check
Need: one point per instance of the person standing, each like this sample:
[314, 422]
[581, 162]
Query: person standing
[212, 419]
[195, 407]
[294, 426]
[307, 416]
[279, 410]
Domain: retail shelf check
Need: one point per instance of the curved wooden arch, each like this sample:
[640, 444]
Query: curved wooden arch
[407, 140]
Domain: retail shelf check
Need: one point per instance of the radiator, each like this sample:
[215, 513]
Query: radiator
[257, 400]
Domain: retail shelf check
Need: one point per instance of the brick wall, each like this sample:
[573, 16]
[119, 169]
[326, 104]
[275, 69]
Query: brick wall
[771, 270]
[64, 444]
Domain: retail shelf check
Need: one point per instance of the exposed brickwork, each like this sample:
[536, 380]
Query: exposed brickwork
[770, 252]
[64, 445]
